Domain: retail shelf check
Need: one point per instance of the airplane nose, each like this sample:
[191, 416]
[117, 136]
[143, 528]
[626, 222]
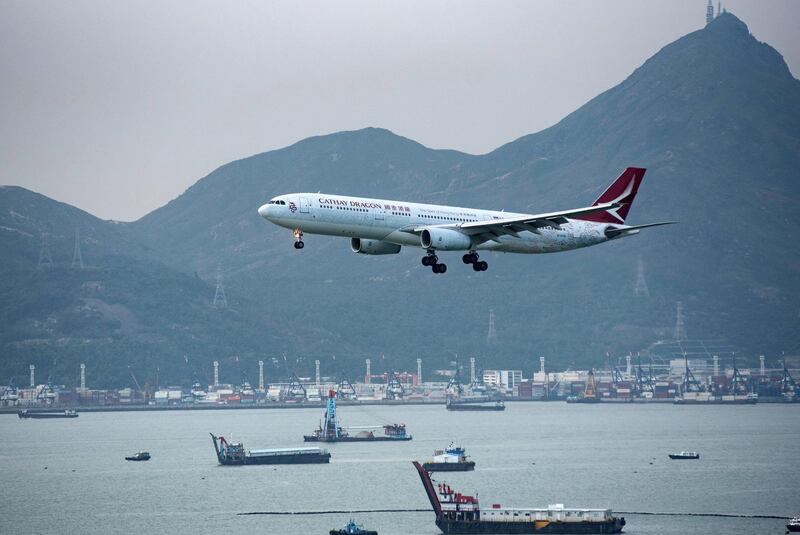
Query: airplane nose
[263, 210]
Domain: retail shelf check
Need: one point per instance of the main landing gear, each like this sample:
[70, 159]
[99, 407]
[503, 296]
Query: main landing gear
[298, 238]
[432, 260]
[472, 258]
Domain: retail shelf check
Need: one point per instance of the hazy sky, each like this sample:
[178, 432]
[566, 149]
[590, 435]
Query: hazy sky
[118, 107]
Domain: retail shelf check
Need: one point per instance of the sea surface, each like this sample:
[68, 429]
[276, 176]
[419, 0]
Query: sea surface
[69, 476]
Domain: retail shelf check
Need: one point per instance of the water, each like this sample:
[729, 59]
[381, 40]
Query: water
[69, 476]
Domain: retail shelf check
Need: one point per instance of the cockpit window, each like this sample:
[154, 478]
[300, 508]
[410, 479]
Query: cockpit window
[277, 201]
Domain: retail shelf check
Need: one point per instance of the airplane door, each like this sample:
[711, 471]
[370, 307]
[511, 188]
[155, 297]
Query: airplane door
[379, 214]
[305, 205]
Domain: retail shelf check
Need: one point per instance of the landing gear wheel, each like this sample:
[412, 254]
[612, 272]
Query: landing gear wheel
[484, 266]
[467, 258]
[429, 260]
[439, 268]
[299, 245]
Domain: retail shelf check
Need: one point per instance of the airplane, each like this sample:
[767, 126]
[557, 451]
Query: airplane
[380, 227]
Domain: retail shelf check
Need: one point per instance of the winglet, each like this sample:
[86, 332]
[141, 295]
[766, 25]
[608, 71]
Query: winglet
[622, 191]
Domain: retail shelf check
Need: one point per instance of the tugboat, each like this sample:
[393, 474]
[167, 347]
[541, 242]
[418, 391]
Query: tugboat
[794, 525]
[452, 459]
[352, 529]
[685, 455]
[459, 513]
[329, 429]
[139, 456]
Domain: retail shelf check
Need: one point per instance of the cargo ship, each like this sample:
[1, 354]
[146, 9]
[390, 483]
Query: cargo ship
[235, 454]
[25, 413]
[452, 459]
[794, 525]
[458, 513]
[329, 429]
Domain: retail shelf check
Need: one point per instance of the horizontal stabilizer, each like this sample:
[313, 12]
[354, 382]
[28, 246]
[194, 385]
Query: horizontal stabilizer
[614, 232]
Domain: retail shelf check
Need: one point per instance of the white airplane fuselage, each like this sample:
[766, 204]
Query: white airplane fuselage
[393, 222]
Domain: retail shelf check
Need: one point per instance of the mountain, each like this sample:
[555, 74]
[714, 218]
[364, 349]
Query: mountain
[123, 308]
[714, 116]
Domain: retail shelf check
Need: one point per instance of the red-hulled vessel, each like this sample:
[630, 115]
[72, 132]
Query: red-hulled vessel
[459, 513]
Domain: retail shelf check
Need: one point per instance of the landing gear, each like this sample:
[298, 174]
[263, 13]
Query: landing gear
[432, 261]
[472, 258]
[298, 238]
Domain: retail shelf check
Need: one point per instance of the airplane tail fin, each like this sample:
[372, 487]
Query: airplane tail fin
[622, 192]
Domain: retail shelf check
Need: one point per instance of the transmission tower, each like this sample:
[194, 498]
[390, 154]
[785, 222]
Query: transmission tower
[77, 258]
[640, 289]
[45, 259]
[220, 301]
[491, 336]
[680, 329]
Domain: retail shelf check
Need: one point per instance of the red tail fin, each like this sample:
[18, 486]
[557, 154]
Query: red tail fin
[622, 191]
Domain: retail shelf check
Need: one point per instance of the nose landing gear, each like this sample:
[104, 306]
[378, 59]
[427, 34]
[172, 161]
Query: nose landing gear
[472, 258]
[431, 260]
[298, 238]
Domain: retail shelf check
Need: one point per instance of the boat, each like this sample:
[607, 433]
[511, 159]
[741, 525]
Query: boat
[685, 455]
[452, 459]
[589, 392]
[139, 456]
[68, 413]
[794, 525]
[483, 404]
[583, 399]
[329, 429]
[459, 513]
[235, 454]
[352, 529]
[706, 398]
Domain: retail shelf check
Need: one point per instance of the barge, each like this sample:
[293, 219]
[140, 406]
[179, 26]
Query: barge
[68, 413]
[329, 429]
[452, 459]
[234, 454]
[461, 404]
[461, 514]
[705, 398]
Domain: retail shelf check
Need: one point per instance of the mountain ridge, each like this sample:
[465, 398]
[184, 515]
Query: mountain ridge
[714, 118]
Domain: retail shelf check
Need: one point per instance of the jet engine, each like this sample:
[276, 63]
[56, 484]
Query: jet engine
[359, 245]
[445, 239]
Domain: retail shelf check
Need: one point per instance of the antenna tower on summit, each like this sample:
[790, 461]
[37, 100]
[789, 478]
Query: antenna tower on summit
[680, 329]
[45, 259]
[77, 258]
[220, 301]
[709, 12]
[491, 336]
[640, 288]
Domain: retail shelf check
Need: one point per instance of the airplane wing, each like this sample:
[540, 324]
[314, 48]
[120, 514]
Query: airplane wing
[482, 231]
